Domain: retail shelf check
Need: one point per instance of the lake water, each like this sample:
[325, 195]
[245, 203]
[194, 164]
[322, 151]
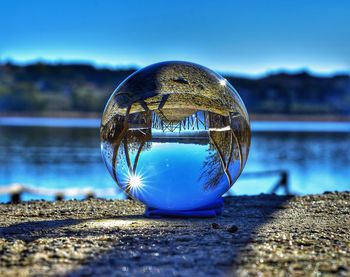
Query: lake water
[316, 155]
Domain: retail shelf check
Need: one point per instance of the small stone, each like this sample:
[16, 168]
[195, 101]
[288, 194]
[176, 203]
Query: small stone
[232, 229]
[215, 225]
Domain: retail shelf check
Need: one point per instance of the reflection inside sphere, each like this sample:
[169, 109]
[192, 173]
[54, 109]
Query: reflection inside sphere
[175, 135]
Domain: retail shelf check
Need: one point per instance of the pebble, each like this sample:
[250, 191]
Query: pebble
[232, 229]
[215, 225]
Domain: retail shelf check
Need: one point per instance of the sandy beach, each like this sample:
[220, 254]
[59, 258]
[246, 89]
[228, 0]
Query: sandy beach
[265, 235]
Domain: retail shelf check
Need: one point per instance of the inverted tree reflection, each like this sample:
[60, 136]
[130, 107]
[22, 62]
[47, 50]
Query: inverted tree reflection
[133, 133]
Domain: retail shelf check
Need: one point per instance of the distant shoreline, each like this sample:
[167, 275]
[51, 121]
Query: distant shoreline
[253, 117]
[263, 124]
[91, 115]
[301, 118]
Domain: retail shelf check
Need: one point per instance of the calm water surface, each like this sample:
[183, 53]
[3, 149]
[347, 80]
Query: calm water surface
[69, 157]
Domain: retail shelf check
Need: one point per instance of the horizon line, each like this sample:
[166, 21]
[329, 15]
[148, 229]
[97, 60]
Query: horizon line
[131, 66]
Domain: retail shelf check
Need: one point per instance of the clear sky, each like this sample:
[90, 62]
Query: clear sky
[246, 37]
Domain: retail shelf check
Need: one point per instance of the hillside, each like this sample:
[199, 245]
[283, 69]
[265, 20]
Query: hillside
[64, 88]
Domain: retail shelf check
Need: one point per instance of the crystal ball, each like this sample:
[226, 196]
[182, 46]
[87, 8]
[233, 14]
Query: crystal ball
[175, 136]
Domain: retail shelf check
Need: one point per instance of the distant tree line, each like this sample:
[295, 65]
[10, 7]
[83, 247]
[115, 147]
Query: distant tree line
[44, 87]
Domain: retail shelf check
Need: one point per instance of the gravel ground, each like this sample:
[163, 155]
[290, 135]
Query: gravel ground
[265, 235]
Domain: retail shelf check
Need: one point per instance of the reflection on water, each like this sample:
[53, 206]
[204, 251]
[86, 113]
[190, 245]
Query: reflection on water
[52, 157]
[317, 162]
[70, 157]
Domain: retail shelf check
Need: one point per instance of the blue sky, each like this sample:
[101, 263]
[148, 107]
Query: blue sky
[245, 37]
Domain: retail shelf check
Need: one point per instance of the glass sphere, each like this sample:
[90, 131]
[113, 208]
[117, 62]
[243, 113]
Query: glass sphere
[175, 136]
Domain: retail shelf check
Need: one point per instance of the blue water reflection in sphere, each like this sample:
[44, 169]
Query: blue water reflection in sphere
[175, 135]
